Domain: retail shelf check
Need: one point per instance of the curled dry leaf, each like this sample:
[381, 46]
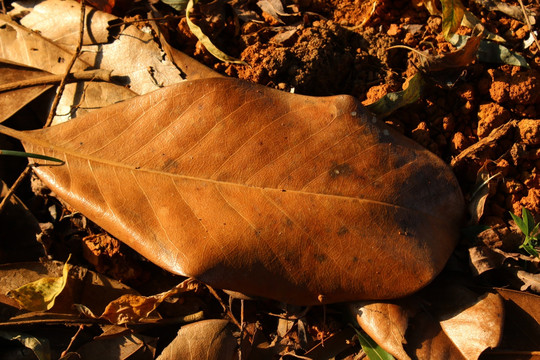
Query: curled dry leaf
[522, 321]
[302, 199]
[131, 308]
[205, 340]
[459, 323]
[476, 328]
[386, 323]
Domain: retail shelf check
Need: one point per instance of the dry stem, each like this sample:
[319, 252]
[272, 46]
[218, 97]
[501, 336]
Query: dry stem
[62, 85]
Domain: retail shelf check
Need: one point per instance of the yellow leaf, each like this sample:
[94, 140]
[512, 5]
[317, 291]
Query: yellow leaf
[452, 16]
[40, 295]
[205, 40]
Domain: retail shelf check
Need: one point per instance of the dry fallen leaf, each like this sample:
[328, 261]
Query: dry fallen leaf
[40, 295]
[82, 287]
[23, 46]
[130, 346]
[522, 321]
[306, 200]
[477, 327]
[41, 18]
[386, 323]
[15, 100]
[460, 324]
[132, 308]
[204, 340]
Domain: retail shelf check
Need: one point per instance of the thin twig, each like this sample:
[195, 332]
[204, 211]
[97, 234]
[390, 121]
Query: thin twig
[164, 18]
[529, 24]
[14, 187]
[4, 11]
[62, 85]
[225, 307]
[81, 328]
[89, 75]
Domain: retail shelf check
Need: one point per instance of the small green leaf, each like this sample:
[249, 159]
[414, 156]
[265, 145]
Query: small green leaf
[452, 16]
[490, 52]
[529, 229]
[205, 40]
[178, 5]
[534, 231]
[499, 54]
[393, 101]
[520, 224]
[527, 220]
[370, 347]
[529, 248]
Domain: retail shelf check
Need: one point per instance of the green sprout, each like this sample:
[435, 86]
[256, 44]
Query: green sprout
[529, 229]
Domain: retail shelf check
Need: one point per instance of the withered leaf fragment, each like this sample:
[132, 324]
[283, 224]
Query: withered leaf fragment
[301, 199]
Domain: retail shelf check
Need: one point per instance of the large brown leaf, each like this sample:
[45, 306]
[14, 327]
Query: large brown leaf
[290, 197]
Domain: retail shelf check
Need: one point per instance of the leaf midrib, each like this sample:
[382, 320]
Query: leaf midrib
[26, 137]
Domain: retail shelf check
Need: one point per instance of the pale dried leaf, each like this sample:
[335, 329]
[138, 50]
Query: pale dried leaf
[477, 327]
[59, 21]
[386, 323]
[131, 346]
[204, 340]
[136, 56]
[483, 259]
[205, 40]
[39, 346]
[530, 281]
[13, 101]
[274, 8]
[85, 282]
[133, 55]
[21, 45]
[306, 200]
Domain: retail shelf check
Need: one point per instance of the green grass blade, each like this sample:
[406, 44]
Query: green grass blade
[29, 155]
[370, 347]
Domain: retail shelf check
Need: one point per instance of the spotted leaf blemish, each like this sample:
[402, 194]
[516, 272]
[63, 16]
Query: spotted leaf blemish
[340, 170]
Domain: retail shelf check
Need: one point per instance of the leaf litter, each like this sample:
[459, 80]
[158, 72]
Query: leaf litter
[503, 151]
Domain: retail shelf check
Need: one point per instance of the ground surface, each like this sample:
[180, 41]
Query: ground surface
[329, 47]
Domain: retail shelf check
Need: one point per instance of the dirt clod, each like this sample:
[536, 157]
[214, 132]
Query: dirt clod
[491, 116]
